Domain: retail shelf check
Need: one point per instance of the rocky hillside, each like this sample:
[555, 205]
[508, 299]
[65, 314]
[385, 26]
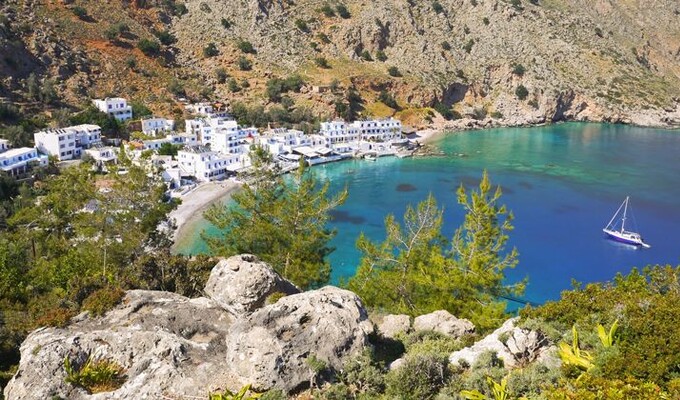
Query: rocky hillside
[518, 61]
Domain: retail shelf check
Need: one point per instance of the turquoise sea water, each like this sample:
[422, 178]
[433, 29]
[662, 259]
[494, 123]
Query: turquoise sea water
[562, 182]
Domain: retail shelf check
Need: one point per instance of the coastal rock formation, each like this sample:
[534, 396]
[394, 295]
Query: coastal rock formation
[443, 322]
[392, 325]
[174, 347]
[517, 347]
[241, 284]
[165, 342]
[271, 347]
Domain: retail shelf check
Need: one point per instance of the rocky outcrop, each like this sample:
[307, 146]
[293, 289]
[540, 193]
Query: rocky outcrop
[271, 347]
[392, 325]
[242, 283]
[174, 347]
[517, 347]
[443, 322]
[165, 342]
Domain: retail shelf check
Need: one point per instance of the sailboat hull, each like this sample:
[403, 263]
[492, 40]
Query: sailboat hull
[624, 237]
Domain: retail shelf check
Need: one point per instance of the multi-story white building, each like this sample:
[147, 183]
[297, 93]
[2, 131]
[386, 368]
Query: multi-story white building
[115, 106]
[155, 125]
[102, 155]
[200, 108]
[204, 164]
[378, 130]
[60, 143]
[220, 133]
[21, 160]
[4, 145]
[339, 132]
[68, 143]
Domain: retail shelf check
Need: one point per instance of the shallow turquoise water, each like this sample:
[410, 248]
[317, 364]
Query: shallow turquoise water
[562, 182]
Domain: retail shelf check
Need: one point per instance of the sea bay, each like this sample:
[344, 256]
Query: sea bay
[562, 182]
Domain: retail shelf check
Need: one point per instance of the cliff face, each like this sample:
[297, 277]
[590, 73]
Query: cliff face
[601, 60]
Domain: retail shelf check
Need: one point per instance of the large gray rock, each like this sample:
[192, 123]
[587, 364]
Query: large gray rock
[515, 346]
[443, 322]
[271, 347]
[241, 284]
[392, 325]
[169, 346]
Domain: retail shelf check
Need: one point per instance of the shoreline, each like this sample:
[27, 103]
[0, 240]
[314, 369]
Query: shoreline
[195, 203]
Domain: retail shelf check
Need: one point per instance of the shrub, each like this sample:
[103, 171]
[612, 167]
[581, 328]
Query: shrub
[165, 37]
[380, 55]
[226, 24]
[9, 112]
[518, 69]
[103, 300]
[534, 2]
[274, 394]
[323, 38]
[516, 4]
[139, 109]
[446, 46]
[205, 7]
[233, 86]
[342, 10]
[496, 115]
[245, 46]
[430, 342]
[521, 92]
[393, 71]
[485, 20]
[420, 377]
[437, 7]
[387, 99]
[210, 50]
[327, 10]
[244, 64]
[444, 110]
[176, 88]
[149, 47]
[301, 24]
[228, 395]
[131, 62]
[79, 12]
[321, 62]
[95, 376]
[366, 56]
[221, 75]
[468, 45]
[362, 375]
[57, 317]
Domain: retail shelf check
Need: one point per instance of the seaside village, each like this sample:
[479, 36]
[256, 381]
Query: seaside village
[211, 145]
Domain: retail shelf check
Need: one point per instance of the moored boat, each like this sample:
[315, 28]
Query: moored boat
[621, 234]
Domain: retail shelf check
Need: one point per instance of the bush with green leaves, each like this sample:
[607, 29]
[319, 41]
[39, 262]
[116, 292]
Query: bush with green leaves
[343, 12]
[243, 394]
[431, 342]
[420, 377]
[437, 7]
[446, 46]
[226, 24]
[468, 45]
[323, 38]
[301, 24]
[210, 50]
[103, 300]
[321, 62]
[245, 46]
[380, 56]
[387, 99]
[521, 92]
[149, 47]
[95, 376]
[366, 56]
[327, 10]
[362, 375]
[393, 71]
[79, 12]
[244, 64]
[518, 69]
[165, 37]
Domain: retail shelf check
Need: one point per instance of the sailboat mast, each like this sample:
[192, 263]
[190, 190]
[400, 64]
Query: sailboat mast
[623, 220]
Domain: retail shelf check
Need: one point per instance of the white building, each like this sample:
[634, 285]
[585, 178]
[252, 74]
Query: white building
[115, 106]
[60, 143]
[155, 144]
[339, 132]
[102, 155]
[222, 134]
[200, 109]
[204, 164]
[155, 125]
[4, 145]
[18, 161]
[68, 143]
[378, 130]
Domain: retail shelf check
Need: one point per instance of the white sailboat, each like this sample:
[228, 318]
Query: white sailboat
[621, 234]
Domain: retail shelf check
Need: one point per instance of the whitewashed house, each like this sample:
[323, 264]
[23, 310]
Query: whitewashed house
[60, 143]
[115, 106]
[222, 134]
[183, 139]
[378, 130]
[339, 132]
[155, 144]
[200, 109]
[4, 145]
[152, 126]
[205, 164]
[102, 155]
[18, 161]
[87, 135]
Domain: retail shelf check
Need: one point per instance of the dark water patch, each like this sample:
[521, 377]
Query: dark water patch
[345, 217]
[406, 187]
[525, 185]
[507, 190]
[566, 208]
[444, 180]
[469, 181]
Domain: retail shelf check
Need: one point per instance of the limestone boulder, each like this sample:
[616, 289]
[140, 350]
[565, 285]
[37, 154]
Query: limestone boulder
[241, 284]
[392, 325]
[517, 347]
[443, 322]
[271, 347]
[167, 344]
